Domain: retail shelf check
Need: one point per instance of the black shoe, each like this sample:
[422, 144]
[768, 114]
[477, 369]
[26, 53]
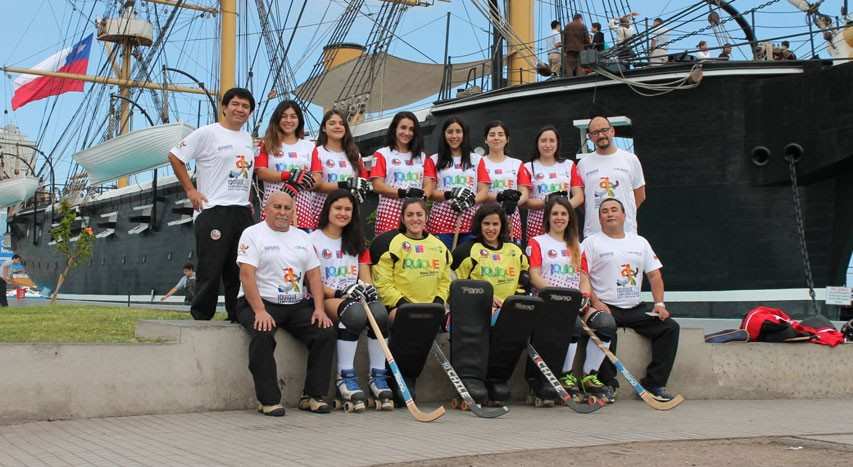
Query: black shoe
[661, 393]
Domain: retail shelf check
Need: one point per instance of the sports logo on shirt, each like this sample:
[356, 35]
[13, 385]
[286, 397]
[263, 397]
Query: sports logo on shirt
[326, 253]
[292, 155]
[552, 253]
[291, 281]
[396, 161]
[243, 167]
[330, 163]
[406, 246]
[605, 184]
[496, 257]
[419, 248]
[630, 275]
[242, 249]
[484, 253]
[540, 176]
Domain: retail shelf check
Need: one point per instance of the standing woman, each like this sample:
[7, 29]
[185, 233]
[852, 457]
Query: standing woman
[345, 270]
[457, 180]
[556, 261]
[398, 170]
[336, 162]
[550, 175]
[414, 269]
[284, 157]
[510, 180]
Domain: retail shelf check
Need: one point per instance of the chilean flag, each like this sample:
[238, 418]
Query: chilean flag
[75, 59]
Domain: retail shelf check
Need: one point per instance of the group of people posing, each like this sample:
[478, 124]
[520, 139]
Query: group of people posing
[306, 266]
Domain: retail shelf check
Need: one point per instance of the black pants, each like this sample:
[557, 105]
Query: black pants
[217, 233]
[664, 337]
[295, 319]
[3, 300]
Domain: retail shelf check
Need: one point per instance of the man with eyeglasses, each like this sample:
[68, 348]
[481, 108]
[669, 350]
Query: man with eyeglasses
[610, 172]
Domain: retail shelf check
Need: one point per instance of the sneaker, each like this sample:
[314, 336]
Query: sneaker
[591, 383]
[569, 382]
[276, 410]
[314, 404]
[661, 393]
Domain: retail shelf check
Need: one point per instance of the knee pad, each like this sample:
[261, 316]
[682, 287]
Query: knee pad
[380, 314]
[603, 324]
[351, 320]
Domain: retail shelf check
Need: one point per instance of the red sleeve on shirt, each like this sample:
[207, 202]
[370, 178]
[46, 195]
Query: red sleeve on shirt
[576, 177]
[364, 257]
[378, 170]
[429, 168]
[534, 253]
[262, 159]
[483, 173]
[584, 263]
[316, 165]
[524, 177]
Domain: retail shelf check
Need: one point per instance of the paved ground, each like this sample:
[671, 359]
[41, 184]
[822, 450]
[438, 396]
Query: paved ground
[245, 438]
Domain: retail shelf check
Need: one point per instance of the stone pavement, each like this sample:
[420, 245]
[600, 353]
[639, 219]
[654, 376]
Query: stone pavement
[245, 438]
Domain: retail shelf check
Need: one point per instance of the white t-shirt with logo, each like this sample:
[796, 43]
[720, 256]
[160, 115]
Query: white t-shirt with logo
[508, 175]
[398, 170]
[442, 217]
[554, 260]
[285, 159]
[616, 267]
[281, 259]
[613, 176]
[225, 161]
[547, 179]
[338, 269]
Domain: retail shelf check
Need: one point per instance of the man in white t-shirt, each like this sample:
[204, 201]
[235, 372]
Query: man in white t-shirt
[610, 172]
[6, 277]
[276, 262]
[617, 261]
[224, 156]
[555, 47]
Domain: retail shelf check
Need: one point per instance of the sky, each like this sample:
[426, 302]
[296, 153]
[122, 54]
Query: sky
[36, 29]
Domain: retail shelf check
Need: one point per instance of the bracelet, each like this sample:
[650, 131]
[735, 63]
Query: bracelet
[660, 304]
[285, 176]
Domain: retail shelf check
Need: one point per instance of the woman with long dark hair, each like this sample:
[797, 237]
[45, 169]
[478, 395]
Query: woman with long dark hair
[556, 261]
[345, 269]
[336, 162]
[398, 169]
[510, 181]
[284, 159]
[414, 269]
[550, 175]
[457, 180]
[493, 258]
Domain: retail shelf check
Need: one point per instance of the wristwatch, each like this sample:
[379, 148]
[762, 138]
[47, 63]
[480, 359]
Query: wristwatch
[660, 304]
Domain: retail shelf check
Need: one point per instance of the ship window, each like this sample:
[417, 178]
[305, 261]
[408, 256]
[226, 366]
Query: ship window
[169, 256]
[103, 260]
[190, 255]
[124, 260]
[144, 259]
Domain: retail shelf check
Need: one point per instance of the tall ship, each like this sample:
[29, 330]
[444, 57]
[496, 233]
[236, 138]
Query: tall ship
[748, 161]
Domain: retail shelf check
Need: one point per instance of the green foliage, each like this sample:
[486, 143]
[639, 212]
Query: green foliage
[67, 323]
[78, 251]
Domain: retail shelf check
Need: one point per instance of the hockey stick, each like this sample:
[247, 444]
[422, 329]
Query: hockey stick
[650, 399]
[401, 384]
[456, 228]
[480, 411]
[567, 398]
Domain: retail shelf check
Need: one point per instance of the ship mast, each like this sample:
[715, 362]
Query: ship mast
[228, 45]
[519, 70]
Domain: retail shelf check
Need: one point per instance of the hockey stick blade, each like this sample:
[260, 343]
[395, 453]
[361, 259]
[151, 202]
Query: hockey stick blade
[477, 409]
[395, 370]
[564, 395]
[650, 399]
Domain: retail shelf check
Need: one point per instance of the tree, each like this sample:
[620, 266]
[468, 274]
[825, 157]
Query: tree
[76, 250]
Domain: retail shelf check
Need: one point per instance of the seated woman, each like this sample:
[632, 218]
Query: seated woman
[415, 269]
[345, 270]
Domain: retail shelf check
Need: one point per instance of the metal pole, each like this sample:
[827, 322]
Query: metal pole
[444, 78]
[811, 36]
[754, 33]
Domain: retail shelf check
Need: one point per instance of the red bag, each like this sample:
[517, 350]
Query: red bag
[767, 324]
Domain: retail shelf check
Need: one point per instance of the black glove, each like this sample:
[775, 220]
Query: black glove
[290, 189]
[463, 200]
[410, 193]
[509, 200]
[556, 194]
[450, 194]
[360, 291]
[359, 187]
[300, 179]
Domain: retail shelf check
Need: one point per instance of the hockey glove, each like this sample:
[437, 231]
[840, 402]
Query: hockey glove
[454, 193]
[403, 193]
[359, 187]
[463, 201]
[290, 189]
[359, 291]
[300, 179]
[509, 200]
[556, 194]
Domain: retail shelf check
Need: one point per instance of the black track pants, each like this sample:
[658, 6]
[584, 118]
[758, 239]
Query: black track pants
[217, 233]
[295, 319]
[664, 337]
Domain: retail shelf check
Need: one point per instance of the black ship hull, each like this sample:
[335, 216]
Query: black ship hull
[722, 224]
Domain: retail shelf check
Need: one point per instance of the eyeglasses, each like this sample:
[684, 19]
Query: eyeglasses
[600, 131]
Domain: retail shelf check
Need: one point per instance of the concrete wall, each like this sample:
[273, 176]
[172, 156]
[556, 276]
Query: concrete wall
[203, 366]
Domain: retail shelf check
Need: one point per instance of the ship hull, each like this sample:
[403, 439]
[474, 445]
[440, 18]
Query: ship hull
[718, 221]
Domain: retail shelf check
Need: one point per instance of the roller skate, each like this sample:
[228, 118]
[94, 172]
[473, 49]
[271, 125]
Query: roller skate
[350, 397]
[499, 393]
[542, 394]
[382, 396]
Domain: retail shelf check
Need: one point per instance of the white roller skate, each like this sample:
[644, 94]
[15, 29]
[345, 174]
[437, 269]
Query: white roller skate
[350, 396]
[383, 397]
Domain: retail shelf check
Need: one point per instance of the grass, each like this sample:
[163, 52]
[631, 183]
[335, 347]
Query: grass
[67, 323]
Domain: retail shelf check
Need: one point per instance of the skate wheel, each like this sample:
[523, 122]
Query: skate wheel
[463, 406]
[337, 404]
[454, 403]
[348, 406]
[388, 405]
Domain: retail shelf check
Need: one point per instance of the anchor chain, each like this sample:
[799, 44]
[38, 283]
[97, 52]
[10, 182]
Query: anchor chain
[798, 214]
